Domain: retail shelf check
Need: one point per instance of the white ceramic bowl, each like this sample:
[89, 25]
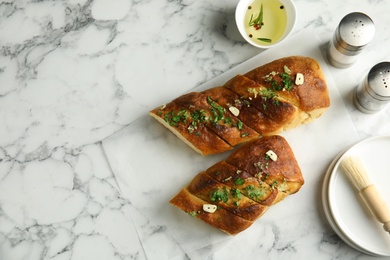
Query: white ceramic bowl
[242, 8]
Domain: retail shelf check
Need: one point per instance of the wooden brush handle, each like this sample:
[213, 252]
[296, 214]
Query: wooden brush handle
[377, 205]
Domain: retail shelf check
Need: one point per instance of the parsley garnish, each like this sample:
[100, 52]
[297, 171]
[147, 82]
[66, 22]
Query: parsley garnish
[254, 193]
[219, 114]
[174, 120]
[239, 124]
[197, 117]
[269, 94]
[239, 181]
[192, 213]
[236, 193]
[219, 195]
[217, 110]
[287, 82]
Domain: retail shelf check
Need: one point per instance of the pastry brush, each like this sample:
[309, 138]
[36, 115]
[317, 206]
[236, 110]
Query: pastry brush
[357, 174]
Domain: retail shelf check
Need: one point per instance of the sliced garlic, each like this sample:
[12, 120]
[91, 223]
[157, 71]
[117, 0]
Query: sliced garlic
[299, 79]
[272, 155]
[234, 111]
[210, 208]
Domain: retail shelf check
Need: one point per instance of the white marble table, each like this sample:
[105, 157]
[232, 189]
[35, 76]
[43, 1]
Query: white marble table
[73, 73]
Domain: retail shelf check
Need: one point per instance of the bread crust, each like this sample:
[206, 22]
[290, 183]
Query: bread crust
[244, 181]
[202, 139]
[275, 108]
[258, 103]
[221, 219]
[254, 118]
[311, 95]
[243, 186]
[203, 186]
[228, 127]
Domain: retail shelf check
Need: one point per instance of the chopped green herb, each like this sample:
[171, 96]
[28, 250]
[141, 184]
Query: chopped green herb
[244, 134]
[192, 213]
[228, 120]
[239, 181]
[275, 85]
[198, 116]
[236, 193]
[174, 119]
[255, 193]
[265, 40]
[287, 81]
[239, 125]
[269, 94]
[217, 110]
[219, 195]
[249, 187]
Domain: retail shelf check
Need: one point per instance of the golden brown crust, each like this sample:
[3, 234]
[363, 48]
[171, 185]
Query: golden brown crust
[265, 101]
[253, 159]
[228, 198]
[311, 95]
[221, 219]
[221, 121]
[279, 111]
[202, 139]
[249, 185]
[254, 118]
[244, 186]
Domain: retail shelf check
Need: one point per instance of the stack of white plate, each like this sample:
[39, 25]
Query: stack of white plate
[345, 210]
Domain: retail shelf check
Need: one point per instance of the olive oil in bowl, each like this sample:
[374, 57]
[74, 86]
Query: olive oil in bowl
[264, 23]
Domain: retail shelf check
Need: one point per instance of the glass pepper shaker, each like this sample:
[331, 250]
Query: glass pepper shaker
[354, 32]
[374, 92]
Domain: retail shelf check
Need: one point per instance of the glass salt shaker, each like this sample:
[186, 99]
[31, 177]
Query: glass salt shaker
[354, 32]
[374, 92]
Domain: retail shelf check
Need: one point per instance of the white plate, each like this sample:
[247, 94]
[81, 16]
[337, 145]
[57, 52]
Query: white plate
[328, 214]
[348, 211]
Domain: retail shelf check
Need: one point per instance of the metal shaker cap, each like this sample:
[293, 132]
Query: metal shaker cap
[378, 80]
[355, 31]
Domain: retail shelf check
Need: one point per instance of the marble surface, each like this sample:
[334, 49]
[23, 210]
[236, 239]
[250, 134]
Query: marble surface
[73, 73]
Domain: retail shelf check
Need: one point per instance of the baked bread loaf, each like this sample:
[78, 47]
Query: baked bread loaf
[265, 101]
[234, 193]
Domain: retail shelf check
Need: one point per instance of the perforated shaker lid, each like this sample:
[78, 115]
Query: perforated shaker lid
[379, 81]
[355, 31]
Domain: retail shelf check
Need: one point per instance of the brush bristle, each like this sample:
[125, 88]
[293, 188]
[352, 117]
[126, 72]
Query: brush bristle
[355, 172]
